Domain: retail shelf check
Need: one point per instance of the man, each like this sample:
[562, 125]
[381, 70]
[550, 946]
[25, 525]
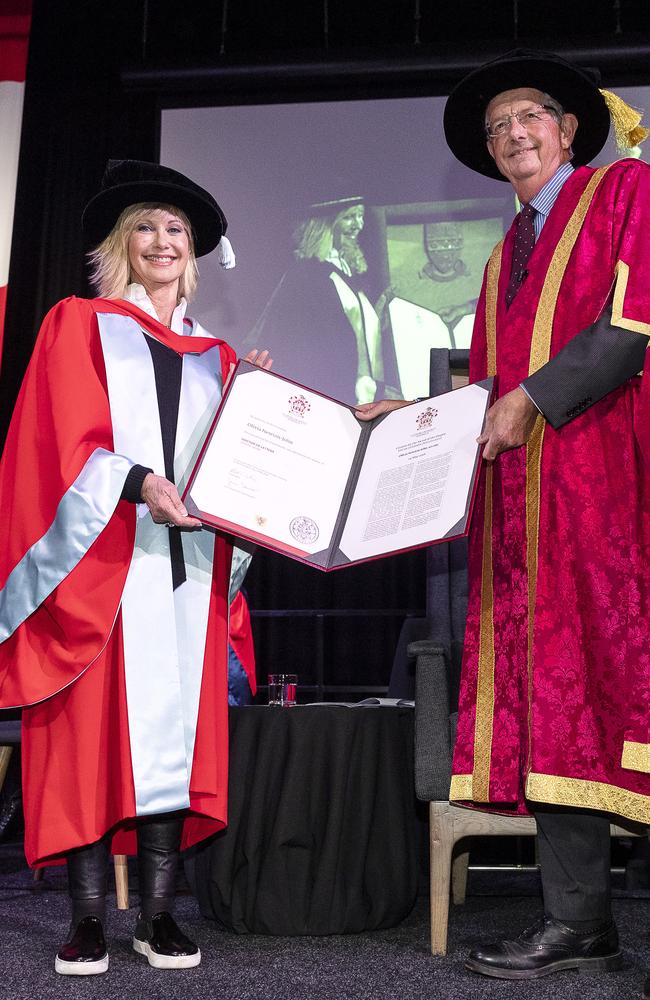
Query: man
[553, 714]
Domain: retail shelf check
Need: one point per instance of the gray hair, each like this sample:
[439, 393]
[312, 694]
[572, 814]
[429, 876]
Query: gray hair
[554, 105]
[559, 111]
[549, 102]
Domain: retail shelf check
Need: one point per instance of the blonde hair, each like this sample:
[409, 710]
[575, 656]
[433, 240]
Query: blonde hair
[314, 238]
[111, 270]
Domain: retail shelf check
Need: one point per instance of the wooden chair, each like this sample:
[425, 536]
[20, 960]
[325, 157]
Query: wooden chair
[450, 825]
[10, 737]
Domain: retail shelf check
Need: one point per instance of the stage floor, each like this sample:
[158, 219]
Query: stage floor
[393, 964]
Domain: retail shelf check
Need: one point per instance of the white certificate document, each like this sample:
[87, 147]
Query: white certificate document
[417, 474]
[298, 472]
[278, 461]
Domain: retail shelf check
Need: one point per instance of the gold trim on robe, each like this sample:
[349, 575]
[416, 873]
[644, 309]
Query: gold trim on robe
[480, 779]
[636, 756]
[581, 794]
[618, 319]
[461, 787]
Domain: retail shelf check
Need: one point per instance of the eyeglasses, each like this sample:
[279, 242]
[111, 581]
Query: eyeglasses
[496, 129]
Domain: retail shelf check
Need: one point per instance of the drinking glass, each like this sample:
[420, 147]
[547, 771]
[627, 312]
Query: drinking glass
[282, 689]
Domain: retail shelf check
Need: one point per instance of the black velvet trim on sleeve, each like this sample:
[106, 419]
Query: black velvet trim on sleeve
[596, 361]
[132, 489]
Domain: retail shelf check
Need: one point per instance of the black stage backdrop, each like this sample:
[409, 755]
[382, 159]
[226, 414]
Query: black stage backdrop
[93, 92]
[75, 116]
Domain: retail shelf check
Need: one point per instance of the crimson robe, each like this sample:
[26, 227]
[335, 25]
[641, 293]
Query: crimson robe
[554, 701]
[65, 660]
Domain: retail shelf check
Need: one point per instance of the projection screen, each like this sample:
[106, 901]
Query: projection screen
[360, 241]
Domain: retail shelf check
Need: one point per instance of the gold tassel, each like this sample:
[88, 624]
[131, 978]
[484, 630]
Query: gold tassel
[626, 121]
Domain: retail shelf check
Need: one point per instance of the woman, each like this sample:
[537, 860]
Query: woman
[114, 604]
[319, 322]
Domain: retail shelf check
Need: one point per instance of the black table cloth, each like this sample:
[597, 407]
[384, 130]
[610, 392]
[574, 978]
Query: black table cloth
[321, 836]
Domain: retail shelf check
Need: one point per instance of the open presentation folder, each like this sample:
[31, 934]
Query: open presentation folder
[297, 472]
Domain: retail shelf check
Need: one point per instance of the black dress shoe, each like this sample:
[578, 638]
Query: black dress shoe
[84, 953]
[163, 943]
[548, 946]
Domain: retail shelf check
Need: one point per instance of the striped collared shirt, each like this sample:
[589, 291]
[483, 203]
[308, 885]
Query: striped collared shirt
[545, 199]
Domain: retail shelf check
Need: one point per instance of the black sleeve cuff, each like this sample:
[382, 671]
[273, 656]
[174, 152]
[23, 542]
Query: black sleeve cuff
[596, 361]
[132, 489]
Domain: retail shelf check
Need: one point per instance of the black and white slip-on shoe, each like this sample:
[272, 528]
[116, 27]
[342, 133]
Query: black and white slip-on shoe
[163, 943]
[84, 953]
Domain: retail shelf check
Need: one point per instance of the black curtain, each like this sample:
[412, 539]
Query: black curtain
[75, 118]
[353, 650]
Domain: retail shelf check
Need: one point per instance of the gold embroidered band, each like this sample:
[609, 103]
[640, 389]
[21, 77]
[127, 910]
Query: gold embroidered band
[583, 794]
[461, 787]
[540, 347]
[618, 319]
[636, 756]
[491, 300]
[479, 789]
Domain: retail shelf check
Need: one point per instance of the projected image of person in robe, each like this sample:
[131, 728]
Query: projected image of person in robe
[114, 606]
[320, 322]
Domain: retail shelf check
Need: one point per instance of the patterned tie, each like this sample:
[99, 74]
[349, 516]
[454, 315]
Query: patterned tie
[524, 243]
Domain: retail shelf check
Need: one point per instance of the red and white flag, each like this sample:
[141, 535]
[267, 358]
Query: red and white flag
[15, 21]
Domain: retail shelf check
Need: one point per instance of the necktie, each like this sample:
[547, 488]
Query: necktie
[524, 243]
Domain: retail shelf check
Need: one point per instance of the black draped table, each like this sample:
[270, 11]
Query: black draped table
[321, 836]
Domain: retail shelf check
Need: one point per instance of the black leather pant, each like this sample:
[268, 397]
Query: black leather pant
[159, 841]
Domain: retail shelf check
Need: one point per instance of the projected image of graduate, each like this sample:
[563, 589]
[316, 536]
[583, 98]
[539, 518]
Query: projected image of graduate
[320, 321]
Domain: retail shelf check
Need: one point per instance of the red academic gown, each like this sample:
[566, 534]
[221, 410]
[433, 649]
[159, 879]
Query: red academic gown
[554, 701]
[65, 661]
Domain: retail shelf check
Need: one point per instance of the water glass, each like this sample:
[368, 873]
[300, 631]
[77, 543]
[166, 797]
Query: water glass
[282, 689]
